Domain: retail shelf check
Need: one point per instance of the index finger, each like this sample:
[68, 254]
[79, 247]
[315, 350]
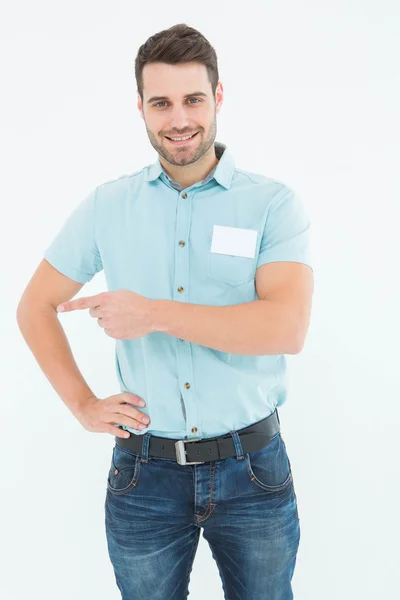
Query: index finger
[79, 304]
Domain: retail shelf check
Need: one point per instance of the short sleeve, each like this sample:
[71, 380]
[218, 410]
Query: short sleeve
[74, 250]
[286, 235]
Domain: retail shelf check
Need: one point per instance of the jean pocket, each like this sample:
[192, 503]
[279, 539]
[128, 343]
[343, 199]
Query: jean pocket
[124, 471]
[234, 270]
[269, 468]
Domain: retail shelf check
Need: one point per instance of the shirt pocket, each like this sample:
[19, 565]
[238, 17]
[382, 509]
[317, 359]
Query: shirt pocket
[233, 270]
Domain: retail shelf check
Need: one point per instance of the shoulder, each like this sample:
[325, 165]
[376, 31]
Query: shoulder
[268, 190]
[120, 188]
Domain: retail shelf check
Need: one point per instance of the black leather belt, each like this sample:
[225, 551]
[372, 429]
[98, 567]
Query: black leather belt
[197, 450]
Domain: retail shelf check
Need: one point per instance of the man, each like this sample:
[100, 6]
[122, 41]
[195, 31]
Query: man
[209, 286]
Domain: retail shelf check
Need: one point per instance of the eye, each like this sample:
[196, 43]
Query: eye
[163, 102]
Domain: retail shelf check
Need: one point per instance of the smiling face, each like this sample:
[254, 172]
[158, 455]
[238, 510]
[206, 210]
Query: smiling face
[178, 101]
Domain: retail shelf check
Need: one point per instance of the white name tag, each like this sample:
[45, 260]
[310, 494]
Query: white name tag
[234, 240]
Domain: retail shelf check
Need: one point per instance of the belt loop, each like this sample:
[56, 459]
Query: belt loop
[238, 444]
[145, 447]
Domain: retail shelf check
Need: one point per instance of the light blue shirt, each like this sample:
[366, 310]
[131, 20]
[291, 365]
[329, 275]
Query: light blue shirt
[155, 238]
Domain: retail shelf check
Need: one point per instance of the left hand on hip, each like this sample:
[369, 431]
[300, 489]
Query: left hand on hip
[123, 314]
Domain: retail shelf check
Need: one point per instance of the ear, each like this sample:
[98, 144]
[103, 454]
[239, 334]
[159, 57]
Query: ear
[219, 96]
[139, 105]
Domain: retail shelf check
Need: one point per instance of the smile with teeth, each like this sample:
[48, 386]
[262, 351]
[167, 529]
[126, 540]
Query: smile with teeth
[181, 139]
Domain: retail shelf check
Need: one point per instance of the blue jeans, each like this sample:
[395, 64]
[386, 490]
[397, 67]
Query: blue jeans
[245, 504]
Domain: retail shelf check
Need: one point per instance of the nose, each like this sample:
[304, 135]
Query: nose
[179, 120]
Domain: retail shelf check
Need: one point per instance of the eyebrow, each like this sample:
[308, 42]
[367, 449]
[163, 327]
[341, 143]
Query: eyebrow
[156, 98]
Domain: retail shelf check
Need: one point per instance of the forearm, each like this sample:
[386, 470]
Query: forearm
[46, 339]
[252, 328]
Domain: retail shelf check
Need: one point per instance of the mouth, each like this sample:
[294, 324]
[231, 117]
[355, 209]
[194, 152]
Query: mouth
[182, 142]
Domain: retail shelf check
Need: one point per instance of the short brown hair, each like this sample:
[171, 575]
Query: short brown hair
[178, 44]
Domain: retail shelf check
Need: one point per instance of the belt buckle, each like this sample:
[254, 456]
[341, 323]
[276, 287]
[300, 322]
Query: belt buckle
[181, 452]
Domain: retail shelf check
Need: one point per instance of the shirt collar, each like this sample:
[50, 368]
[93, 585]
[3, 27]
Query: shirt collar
[223, 172]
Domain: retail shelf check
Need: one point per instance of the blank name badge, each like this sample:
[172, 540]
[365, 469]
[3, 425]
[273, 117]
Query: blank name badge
[234, 240]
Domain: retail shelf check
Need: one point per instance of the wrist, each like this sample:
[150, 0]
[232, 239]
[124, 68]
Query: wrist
[79, 407]
[155, 315]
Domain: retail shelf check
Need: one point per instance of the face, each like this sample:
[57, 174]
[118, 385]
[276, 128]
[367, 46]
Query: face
[168, 113]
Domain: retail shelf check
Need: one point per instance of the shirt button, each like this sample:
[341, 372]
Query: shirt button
[194, 429]
[184, 196]
[187, 385]
[181, 243]
[180, 289]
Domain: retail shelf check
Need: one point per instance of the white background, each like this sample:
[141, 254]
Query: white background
[312, 98]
